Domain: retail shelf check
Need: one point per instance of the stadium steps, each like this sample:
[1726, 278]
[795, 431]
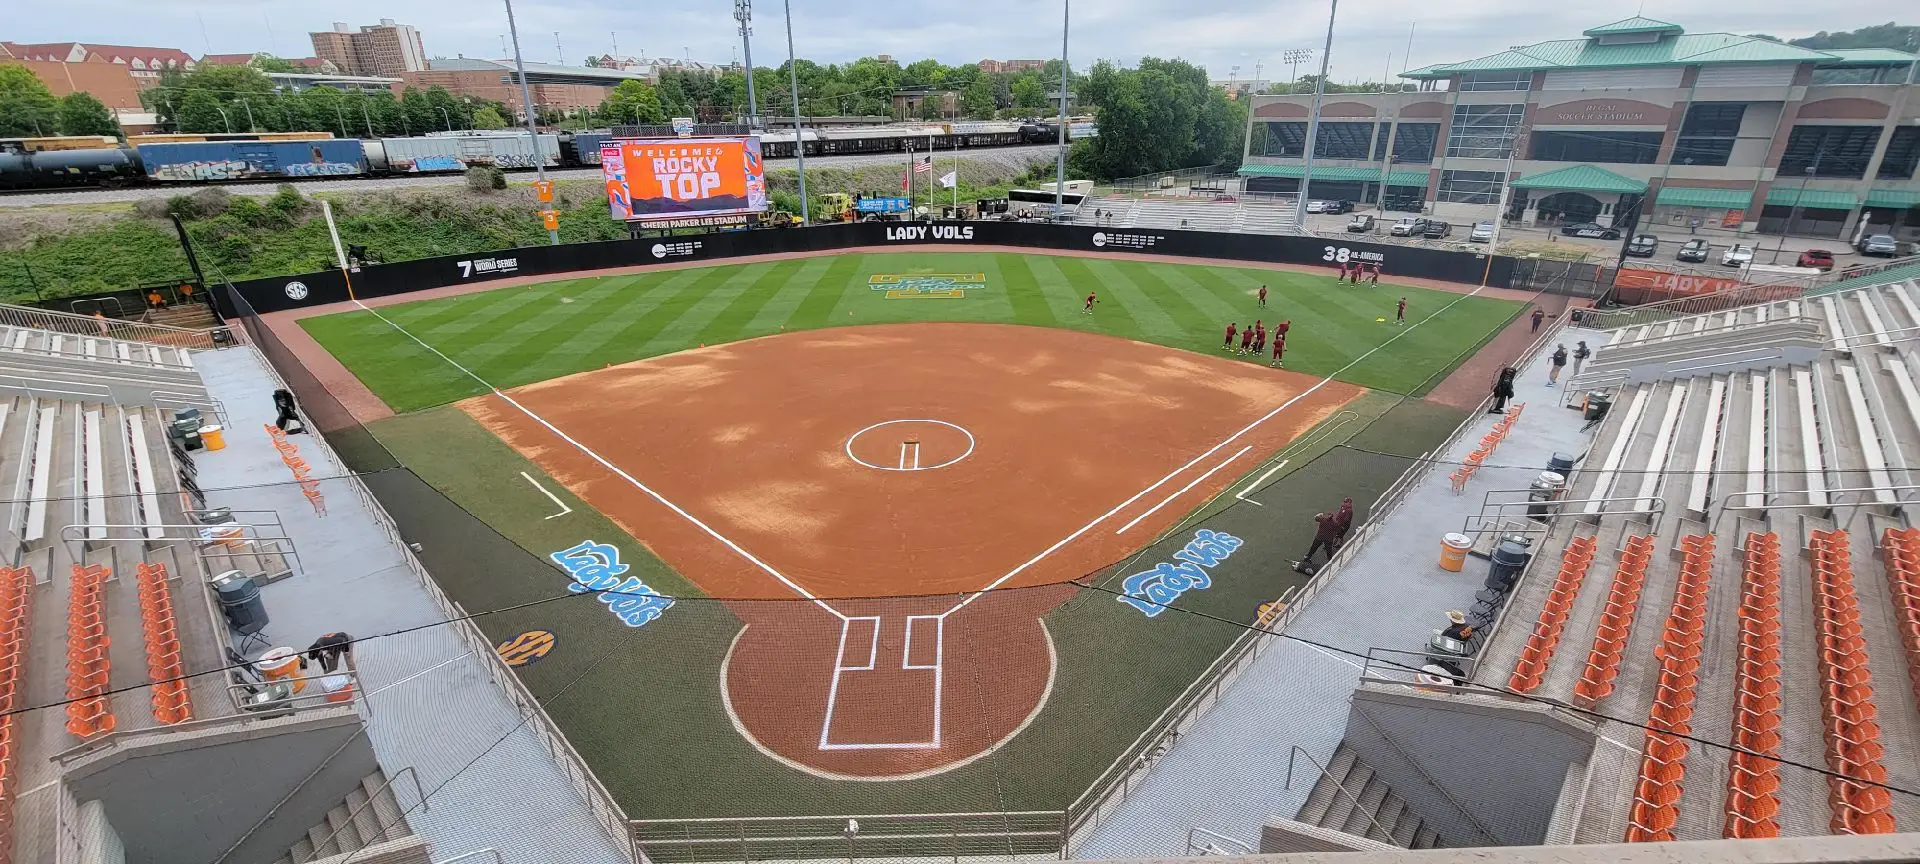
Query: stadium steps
[1350, 798]
[368, 816]
[189, 316]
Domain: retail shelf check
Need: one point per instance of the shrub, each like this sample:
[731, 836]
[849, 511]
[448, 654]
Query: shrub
[183, 206]
[212, 201]
[486, 178]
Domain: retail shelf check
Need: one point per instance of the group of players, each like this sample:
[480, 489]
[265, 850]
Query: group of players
[1253, 340]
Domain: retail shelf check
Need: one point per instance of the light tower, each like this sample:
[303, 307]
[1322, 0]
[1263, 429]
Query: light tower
[743, 13]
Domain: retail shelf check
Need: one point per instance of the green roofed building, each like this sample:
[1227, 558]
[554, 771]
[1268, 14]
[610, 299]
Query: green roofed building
[1635, 120]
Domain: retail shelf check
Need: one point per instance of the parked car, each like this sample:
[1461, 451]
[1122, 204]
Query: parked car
[1694, 250]
[1589, 229]
[1361, 223]
[1436, 229]
[1643, 245]
[1818, 259]
[1739, 256]
[1409, 226]
[1329, 205]
[1316, 206]
[1881, 245]
[1482, 233]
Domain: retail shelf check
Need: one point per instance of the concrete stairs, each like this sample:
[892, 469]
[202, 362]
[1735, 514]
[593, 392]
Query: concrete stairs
[1351, 799]
[370, 815]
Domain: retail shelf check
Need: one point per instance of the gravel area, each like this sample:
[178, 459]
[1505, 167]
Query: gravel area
[101, 196]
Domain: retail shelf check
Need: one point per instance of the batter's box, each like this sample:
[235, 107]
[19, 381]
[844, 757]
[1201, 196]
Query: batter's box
[886, 688]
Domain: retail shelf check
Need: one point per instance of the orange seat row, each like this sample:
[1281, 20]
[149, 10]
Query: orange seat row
[1901, 549]
[1492, 439]
[1656, 800]
[164, 666]
[88, 714]
[15, 584]
[1753, 776]
[1857, 799]
[1616, 623]
[1538, 652]
[302, 472]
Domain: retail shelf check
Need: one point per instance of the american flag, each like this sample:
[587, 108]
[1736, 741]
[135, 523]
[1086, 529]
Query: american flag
[923, 166]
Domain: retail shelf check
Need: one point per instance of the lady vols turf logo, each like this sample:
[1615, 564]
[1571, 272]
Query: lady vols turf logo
[1151, 591]
[596, 567]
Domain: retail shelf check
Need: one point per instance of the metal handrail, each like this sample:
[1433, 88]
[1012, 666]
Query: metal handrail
[368, 803]
[465, 855]
[355, 688]
[1351, 798]
[1196, 849]
[87, 325]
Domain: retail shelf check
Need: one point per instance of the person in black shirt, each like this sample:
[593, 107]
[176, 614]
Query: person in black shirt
[1458, 630]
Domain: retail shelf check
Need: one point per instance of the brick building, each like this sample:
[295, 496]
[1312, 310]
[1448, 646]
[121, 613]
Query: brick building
[384, 50]
[993, 67]
[1636, 119]
[144, 65]
[554, 87]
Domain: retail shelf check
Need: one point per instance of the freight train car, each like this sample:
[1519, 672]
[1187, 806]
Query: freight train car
[445, 153]
[55, 169]
[199, 162]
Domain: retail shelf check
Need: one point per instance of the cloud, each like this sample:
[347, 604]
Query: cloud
[1370, 36]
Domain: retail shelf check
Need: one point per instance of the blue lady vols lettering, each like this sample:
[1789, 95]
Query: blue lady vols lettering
[596, 567]
[1151, 591]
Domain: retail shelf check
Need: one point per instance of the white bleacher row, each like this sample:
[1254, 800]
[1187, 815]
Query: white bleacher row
[1245, 215]
[1881, 315]
[1795, 448]
[47, 343]
[78, 463]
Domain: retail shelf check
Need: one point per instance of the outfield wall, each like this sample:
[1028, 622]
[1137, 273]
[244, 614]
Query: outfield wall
[383, 280]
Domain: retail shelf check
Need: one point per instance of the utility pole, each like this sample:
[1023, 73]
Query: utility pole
[1060, 157]
[533, 131]
[799, 132]
[743, 13]
[1313, 121]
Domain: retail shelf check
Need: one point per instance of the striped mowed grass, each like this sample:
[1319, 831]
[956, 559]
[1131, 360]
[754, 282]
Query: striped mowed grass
[520, 335]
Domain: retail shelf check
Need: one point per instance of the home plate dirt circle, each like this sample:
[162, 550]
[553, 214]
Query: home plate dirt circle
[910, 445]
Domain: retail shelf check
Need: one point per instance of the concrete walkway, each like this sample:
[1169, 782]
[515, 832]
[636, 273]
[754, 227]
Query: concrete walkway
[1226, 774]
[488, 777]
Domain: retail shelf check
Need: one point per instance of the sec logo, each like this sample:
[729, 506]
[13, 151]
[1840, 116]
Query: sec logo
[659, 250]
[296, 290]
[1099, 238]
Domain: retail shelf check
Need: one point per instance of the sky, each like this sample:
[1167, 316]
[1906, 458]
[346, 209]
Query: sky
[1370, 36]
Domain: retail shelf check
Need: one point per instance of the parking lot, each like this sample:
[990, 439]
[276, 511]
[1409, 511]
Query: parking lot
[1768, 249]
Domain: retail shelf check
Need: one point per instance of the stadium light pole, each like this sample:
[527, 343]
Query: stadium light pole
[526, 103]
[1313, 122]
[799, 138]
[1060, 154]
[743, 13]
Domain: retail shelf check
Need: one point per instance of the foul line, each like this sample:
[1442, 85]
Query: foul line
[708, 529]
[564, 509]
[1183, 490]
[995, 584]
[1242, 494]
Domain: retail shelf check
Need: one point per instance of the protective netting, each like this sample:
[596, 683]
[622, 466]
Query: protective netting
[1002, 725]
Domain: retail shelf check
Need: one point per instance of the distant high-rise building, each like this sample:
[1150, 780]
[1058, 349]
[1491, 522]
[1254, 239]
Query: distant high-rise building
[992, 67]
[385, 50]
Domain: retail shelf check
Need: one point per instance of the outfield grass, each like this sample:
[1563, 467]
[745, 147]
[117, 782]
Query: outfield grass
[515, 336]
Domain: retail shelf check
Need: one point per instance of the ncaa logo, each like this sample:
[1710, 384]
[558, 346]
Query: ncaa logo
[659, 250]
[296, 290]
[1099, 238]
